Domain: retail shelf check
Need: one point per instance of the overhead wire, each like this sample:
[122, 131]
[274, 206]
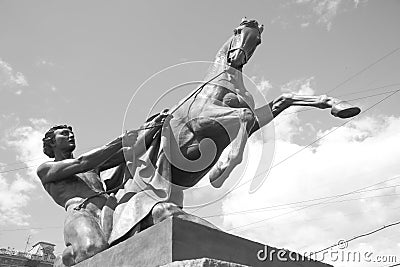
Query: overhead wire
[364, 69]
[26, 167]
[358, 73]
[315, 204]
[359, 236]
[369, 89]
[279, 206]
[30, 228]
[297, 206]
[393, 265]
[2, 165]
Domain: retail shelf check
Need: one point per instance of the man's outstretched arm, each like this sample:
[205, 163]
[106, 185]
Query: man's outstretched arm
[59, 170]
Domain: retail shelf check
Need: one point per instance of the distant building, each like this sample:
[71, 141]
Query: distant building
[40, 255]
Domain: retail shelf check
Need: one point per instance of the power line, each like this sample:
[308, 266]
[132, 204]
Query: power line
[368, 96]
[315, 204]
[396, 264]
[31, 228]
[369, 89]
[282, 206]
[361, 71]
[364, 69]
[359, 236]
[18, 169]
[19, 162]
[344, 214]
[30, 166]
[30, 160]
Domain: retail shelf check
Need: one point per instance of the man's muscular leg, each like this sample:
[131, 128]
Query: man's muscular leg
[86, 234]
[83, 237]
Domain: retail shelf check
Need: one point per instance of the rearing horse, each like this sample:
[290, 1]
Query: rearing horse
[190, 143]
[224, 111]
[219, 113]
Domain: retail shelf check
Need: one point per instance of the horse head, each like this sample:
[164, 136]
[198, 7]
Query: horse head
[243, 43]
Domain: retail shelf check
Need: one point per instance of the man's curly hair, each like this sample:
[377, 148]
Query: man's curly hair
[49, 139]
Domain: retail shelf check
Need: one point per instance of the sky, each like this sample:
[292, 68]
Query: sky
[80, 63]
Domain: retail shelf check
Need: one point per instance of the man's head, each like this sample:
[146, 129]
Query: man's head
[58, 137]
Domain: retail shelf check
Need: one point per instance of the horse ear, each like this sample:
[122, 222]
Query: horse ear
[261, 28]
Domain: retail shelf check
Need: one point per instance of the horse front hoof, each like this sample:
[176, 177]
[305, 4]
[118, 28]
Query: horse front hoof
[344, 110]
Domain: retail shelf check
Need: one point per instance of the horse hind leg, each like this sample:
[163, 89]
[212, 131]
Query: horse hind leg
[234, 156]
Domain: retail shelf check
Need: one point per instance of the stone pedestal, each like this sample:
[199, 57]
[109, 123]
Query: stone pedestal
[179, 243]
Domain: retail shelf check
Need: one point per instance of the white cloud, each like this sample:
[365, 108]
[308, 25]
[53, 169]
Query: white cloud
[288, 125]
[17, 186]
[27, 141]
[325, 11]
[361, 153]
[43, 62]
[10, 78]
[13, 197]
[264, 86]
[305, 24]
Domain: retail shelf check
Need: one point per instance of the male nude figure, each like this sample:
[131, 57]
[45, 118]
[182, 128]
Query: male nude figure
[69, 181]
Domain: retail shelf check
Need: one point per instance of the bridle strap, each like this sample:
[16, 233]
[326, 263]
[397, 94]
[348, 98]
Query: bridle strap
[236, 48]
[241, 49]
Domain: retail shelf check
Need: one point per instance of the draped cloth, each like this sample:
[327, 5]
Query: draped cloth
[149, 185]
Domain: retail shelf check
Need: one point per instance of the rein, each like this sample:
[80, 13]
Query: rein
[195, 92]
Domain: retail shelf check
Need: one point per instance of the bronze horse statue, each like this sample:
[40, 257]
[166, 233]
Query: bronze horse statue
[189, 146]
[190, 143]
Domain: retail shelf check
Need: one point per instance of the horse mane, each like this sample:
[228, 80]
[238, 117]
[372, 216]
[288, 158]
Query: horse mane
[220, 59]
